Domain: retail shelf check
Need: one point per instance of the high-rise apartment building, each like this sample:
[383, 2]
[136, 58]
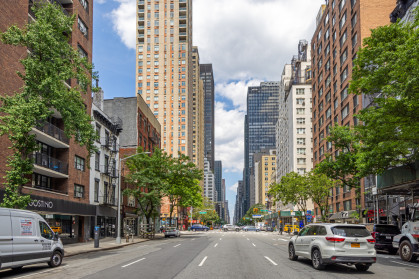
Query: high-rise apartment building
[198, 137]
[163, 68]
[59, 185]
[207, 77]
[260, 122]
[293, 131]
[265, 167]
[209, 182]
[340, 28]
[218, 174]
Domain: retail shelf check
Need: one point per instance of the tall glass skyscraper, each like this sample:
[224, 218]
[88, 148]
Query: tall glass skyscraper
[260, 122]
[207, 77]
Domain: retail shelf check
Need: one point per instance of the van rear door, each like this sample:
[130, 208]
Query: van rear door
[6, 239]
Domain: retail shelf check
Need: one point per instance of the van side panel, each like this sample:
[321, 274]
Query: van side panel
[27, 247]
[6, 239]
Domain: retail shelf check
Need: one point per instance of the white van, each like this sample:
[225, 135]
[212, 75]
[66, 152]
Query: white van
[26, 238]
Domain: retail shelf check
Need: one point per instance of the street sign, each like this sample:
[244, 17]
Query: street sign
[247, 218]
[202, 212]
[264, 210]
[256, 216]
[292, 213]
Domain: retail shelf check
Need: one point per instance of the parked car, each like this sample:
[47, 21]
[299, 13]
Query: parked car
[250, 228]
[199, 227]
[326, 244]
[291, 228]
[230, 227]
[269, 229]
[171, 231]
[26, 238]
[383, 235]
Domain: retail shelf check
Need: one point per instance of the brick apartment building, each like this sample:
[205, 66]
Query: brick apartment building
[341, 26]
[60, 182]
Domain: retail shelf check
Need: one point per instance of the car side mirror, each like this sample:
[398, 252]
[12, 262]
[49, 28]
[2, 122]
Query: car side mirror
[56, 236]
[295, 233]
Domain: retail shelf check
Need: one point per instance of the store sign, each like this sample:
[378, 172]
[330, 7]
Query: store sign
[40, 204]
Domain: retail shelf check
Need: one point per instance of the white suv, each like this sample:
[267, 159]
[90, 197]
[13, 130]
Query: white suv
[334, 243]
[229, 227]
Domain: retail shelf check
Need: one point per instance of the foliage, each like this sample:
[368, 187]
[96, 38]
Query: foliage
[183, 179]
[318, 186]
[291, 189]
[387, 69]
[207, 206]
[51, 61]
[248, 217]
[149, 176]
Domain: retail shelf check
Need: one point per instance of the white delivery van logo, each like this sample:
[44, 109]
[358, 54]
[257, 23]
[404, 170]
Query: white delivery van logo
[26, 227]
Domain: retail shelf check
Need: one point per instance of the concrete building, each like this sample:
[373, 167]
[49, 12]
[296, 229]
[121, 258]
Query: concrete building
[218, 175]
[207, 77]
[293, 129]
[164, 69]
[265, 161]
[340, 30]
[260, 122]
[209, 182]
[104, 167]
[198, 135]
[59, 185]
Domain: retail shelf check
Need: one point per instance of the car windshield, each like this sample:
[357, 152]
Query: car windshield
[387, 229]
[350, 231]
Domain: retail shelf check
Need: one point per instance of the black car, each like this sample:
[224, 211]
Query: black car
[383, 235]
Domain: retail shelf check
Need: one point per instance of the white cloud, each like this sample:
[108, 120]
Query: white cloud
[123, 19]
[234, 187]
[235, 91]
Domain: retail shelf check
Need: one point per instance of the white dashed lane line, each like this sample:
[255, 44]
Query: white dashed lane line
[176, 245]
[133, 262]
[216, 245]
[274, 263]
[253, 244]
[202, 262]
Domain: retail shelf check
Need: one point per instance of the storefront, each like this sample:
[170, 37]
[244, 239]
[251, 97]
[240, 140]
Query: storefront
[106, 221]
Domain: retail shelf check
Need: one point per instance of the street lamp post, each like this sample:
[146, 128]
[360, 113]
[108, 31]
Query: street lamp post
[118, 233]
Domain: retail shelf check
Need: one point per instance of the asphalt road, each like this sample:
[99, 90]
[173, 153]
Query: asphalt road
[209, 255]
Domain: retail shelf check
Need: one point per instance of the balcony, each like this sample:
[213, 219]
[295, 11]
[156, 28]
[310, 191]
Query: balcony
[183, 34]
[183, 17]
[49, 166]
[108, 200]
[51, 135]
[182, 25]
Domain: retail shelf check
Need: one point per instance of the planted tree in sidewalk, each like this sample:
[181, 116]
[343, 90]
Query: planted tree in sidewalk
[291, 189]
[50, 61]
[210, 214]
[148, 174]
[183, 183]
[255, 209]
[386, 71]
[319, 186]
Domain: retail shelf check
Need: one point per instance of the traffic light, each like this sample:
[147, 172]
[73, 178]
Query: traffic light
[255, 210]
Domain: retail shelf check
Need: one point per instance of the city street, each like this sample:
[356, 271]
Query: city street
[212, 254]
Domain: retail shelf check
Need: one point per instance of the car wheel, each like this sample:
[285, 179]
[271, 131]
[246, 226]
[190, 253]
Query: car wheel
[362, 267]
[17, 268]
[406, 251]
[392, 251]
[316, 259]
[56, 259]
[291, 253]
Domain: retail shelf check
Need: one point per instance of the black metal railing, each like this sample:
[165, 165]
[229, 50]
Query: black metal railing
[53, 131]
[109, 200]
[51, 163]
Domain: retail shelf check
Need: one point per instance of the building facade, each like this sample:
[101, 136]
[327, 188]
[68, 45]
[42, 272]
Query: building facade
[209, 182]
[163, 68]
[207, 76]
[340, 29]
[266, 169]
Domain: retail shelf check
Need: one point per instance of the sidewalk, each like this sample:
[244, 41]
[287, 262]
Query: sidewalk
[108, 243]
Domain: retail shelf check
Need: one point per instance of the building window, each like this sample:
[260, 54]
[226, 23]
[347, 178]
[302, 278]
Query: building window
[301, 141]
[82, 27]
[301, 111]
[343, 38]
[344, 56]
[342, 21]
[301, 131]
[301, 170]
[41, 181]
[347, 205]
[354, 40]
[85, 5]
[345, 111]
[328, 113]
[97, 160]
[78, 163]
[301, 151]
[301, 121]
[301, 161]
[342, 4]
[78, 191]
[344, 94]
[355, 100]
[344, 75]
[321, 106]
[301, 101]
[354, 20]
[96, 193]
[300, 91]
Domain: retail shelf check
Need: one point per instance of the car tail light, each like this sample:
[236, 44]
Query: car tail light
[373, 234]
[416, 236]
[374, 259]
[335, 239]
[371, 240]
[334, 258]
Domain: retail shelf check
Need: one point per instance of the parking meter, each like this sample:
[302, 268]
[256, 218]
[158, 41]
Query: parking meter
[97, 230]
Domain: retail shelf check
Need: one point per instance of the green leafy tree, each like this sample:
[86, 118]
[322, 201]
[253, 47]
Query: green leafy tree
[318, 186]
[253, 210]
[291, 189]
[183, 180]
[207, 206]
[50, 61]
[149, 177]
[387, 69]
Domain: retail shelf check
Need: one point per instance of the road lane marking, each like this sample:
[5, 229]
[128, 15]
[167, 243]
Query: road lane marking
[274, 263]
[176, 245]
[404, 264]
[133, 262]
[220, 238]
[247, 239]
[193, 239]
[253, 244]
[276, 244]
[202, 262]
[216, 245]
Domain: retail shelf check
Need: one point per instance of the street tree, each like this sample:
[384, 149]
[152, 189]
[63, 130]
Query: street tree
[387, 70]
[255, 209]
[291, 189]
[210, 214]
[318, 186]
[148, 180]
[50, 61]
[183, 183]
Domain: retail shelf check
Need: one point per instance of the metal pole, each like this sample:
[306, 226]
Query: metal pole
[118, 233]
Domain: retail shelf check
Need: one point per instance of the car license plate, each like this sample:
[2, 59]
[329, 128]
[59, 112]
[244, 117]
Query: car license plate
[355, 245]
[388, 237]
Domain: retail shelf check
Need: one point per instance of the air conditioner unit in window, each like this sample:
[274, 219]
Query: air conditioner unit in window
[79, 195]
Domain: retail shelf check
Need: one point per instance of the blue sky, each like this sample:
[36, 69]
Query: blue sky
[247, 41]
